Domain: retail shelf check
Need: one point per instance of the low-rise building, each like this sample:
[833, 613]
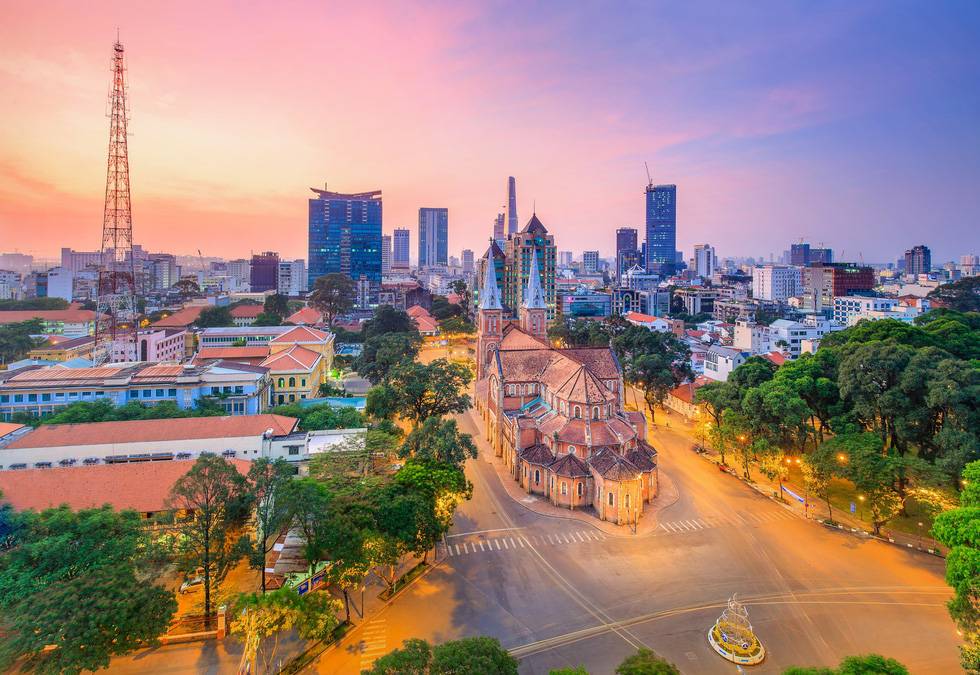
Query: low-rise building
[37, 391]
[71, 322]
[657, 323]
[719, 362]
[240, 336]
[245, 315]
[58, 348]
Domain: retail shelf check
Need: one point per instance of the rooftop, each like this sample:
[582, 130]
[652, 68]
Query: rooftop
[70, 315]
[142, 486]
[147, 431]
[181, 318]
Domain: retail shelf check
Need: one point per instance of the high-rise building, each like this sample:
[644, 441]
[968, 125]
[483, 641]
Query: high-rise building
[345, 238]
[566, 258]
[76, 261]
[661, 213]
[626, 249]
[401, 245]
[467, 261]
[264, 272]
[705, 260]
[821, 255]
[799, 254]
[511, 206]
[533, 239]
[386, 254]
[163, 271]
[918, 260]
[241, 271]
[498, 228]
[590, 262]
[292, 279]
[776, 282]
[433, 237]
[60, 283]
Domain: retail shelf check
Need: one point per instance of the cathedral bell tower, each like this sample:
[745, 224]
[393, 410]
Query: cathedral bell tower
[533, 312]
[490, 317]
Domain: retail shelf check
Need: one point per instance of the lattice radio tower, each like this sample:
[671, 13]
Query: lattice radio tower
[117, 319]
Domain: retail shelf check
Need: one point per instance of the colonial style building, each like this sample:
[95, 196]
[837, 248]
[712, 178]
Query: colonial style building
[556, 416]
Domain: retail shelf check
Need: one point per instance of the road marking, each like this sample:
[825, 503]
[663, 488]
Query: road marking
[566, 539]
[449, 549]
[664, 527]
[549, 540]
[481, 545]
[465, 550]
[694, 525]
[505, 542]
[520, 541]
[512, 544]
[579, 535]
[457, 548]
[499, 529]
[497, 542]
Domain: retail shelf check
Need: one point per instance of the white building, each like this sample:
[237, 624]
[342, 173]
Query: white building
[292, 277]
[705, 261]
[719, 362]
[782, 335]
[10, 285]
[60, 283]
[241, 270]
[776, 282]
[76, 261]
[850, 305]
[386, 254]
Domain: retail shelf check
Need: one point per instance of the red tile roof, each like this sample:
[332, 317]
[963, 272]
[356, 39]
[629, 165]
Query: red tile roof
[147, 431]
[246, 354]
[182, 317]
[294, 358]
[777, 358]
[246, 311]
[9, 427]
[642, 318]
[307, 315]
[303, 335]
[142, 486]
[71, 315]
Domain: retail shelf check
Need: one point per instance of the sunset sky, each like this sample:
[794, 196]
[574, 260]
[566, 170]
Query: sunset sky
[854, 124]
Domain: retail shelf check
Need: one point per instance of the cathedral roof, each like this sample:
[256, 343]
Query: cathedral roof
[537, 454]
[643, 457]
[584, 387]
[600, 360]
[494, 251]
[515, 338]
[534, 294]
[613, 466]
[489, 293]
[570, 466]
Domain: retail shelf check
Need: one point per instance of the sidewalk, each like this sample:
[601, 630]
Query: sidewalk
[540, 505]
[812, 509]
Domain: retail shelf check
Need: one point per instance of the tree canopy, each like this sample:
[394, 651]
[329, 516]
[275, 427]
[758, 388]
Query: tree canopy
[482, 655]
[653, 361]
[16, 340]
[962, 295]
[332, 295]
[416, 391]
[214, 317]
[646, 662]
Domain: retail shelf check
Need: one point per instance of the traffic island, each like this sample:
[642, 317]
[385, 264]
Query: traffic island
[733, 638]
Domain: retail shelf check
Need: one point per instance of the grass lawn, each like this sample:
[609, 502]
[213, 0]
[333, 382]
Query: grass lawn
[842, 493]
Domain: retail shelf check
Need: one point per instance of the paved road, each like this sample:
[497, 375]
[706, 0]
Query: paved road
[560, 593]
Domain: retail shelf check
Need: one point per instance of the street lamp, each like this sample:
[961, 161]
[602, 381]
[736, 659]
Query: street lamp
[861, 507]
[920, 536]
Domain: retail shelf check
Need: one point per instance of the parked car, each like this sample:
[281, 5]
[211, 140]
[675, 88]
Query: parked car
[192, 584]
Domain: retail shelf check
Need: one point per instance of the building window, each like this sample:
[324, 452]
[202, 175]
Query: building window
[595, 412]
[627, 500]
[579, 489]
[282, 382]
[571, 449]
[578, 412]
[293, 449]
[170, 392]
[611, 499]
[564, 488]
[292, 382]
[537, 477]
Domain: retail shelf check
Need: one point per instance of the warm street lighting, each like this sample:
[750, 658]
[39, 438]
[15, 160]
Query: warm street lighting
[842, 458]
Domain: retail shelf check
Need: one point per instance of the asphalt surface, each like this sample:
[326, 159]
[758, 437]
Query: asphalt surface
[561, 593]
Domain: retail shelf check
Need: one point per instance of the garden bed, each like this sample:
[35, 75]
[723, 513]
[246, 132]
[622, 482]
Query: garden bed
[403, 581]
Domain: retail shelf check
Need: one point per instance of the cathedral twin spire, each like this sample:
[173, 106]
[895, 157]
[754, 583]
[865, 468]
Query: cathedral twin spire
[533, 293]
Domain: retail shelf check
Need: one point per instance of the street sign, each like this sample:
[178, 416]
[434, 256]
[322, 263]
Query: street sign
[853, 508]
[793, 494]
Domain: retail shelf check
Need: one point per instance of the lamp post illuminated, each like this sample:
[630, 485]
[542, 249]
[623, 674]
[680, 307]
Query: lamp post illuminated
[861, 507]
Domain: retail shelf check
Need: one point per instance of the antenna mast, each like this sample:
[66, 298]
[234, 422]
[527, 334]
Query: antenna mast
[117, 317]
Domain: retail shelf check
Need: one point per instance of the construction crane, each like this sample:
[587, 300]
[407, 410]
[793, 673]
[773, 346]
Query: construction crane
[204, 269]
[649, 179]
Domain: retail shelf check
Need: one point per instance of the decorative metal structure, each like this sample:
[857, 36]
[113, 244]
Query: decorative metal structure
[117, 317]
[733, 638]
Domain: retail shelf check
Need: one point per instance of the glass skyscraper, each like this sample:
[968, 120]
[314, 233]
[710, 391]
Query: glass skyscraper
[433, 237]
[401, 244]
[345, 236]
[661, 251]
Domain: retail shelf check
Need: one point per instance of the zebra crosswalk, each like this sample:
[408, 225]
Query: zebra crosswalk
[743, 519]
[459, 546]
[374, 642]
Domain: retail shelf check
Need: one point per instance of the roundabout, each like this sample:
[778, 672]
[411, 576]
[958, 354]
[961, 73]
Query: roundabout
[732, 636]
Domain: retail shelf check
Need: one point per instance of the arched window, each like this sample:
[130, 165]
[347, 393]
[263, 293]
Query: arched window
[579, 489]
[611, 499]
[627, 500]
[595, 412]
[571, 449]
[282, 382]
[537, 477]
[292, 382]
[578, 412]
[564, 488]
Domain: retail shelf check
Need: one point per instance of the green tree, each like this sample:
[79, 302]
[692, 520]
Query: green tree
[214, 317]
[33, 304]
[442, 488]
[962, 295]
[266, 483]
[322, 416]
[870, 664]
[439, 440]
[813, 378]
[870, 378]
[333, 295]
[818, 469]
[16, 340]
[386, 320]
[482, 655]
[442, 309]
[307, 500]
[958, 529]
[577, 670]
[580, 333]
[214, 501]
[653, 361]
[276, 305]
[456, 325]
[261, 617]
[416, 391]
[382, 353]
[646, 662]
[267, 319]
[187, 288]
[60, 563]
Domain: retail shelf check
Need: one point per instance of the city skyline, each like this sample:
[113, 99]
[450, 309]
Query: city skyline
[835, 150]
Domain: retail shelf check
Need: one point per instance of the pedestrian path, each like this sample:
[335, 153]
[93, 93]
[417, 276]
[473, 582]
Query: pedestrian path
[374, 642]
